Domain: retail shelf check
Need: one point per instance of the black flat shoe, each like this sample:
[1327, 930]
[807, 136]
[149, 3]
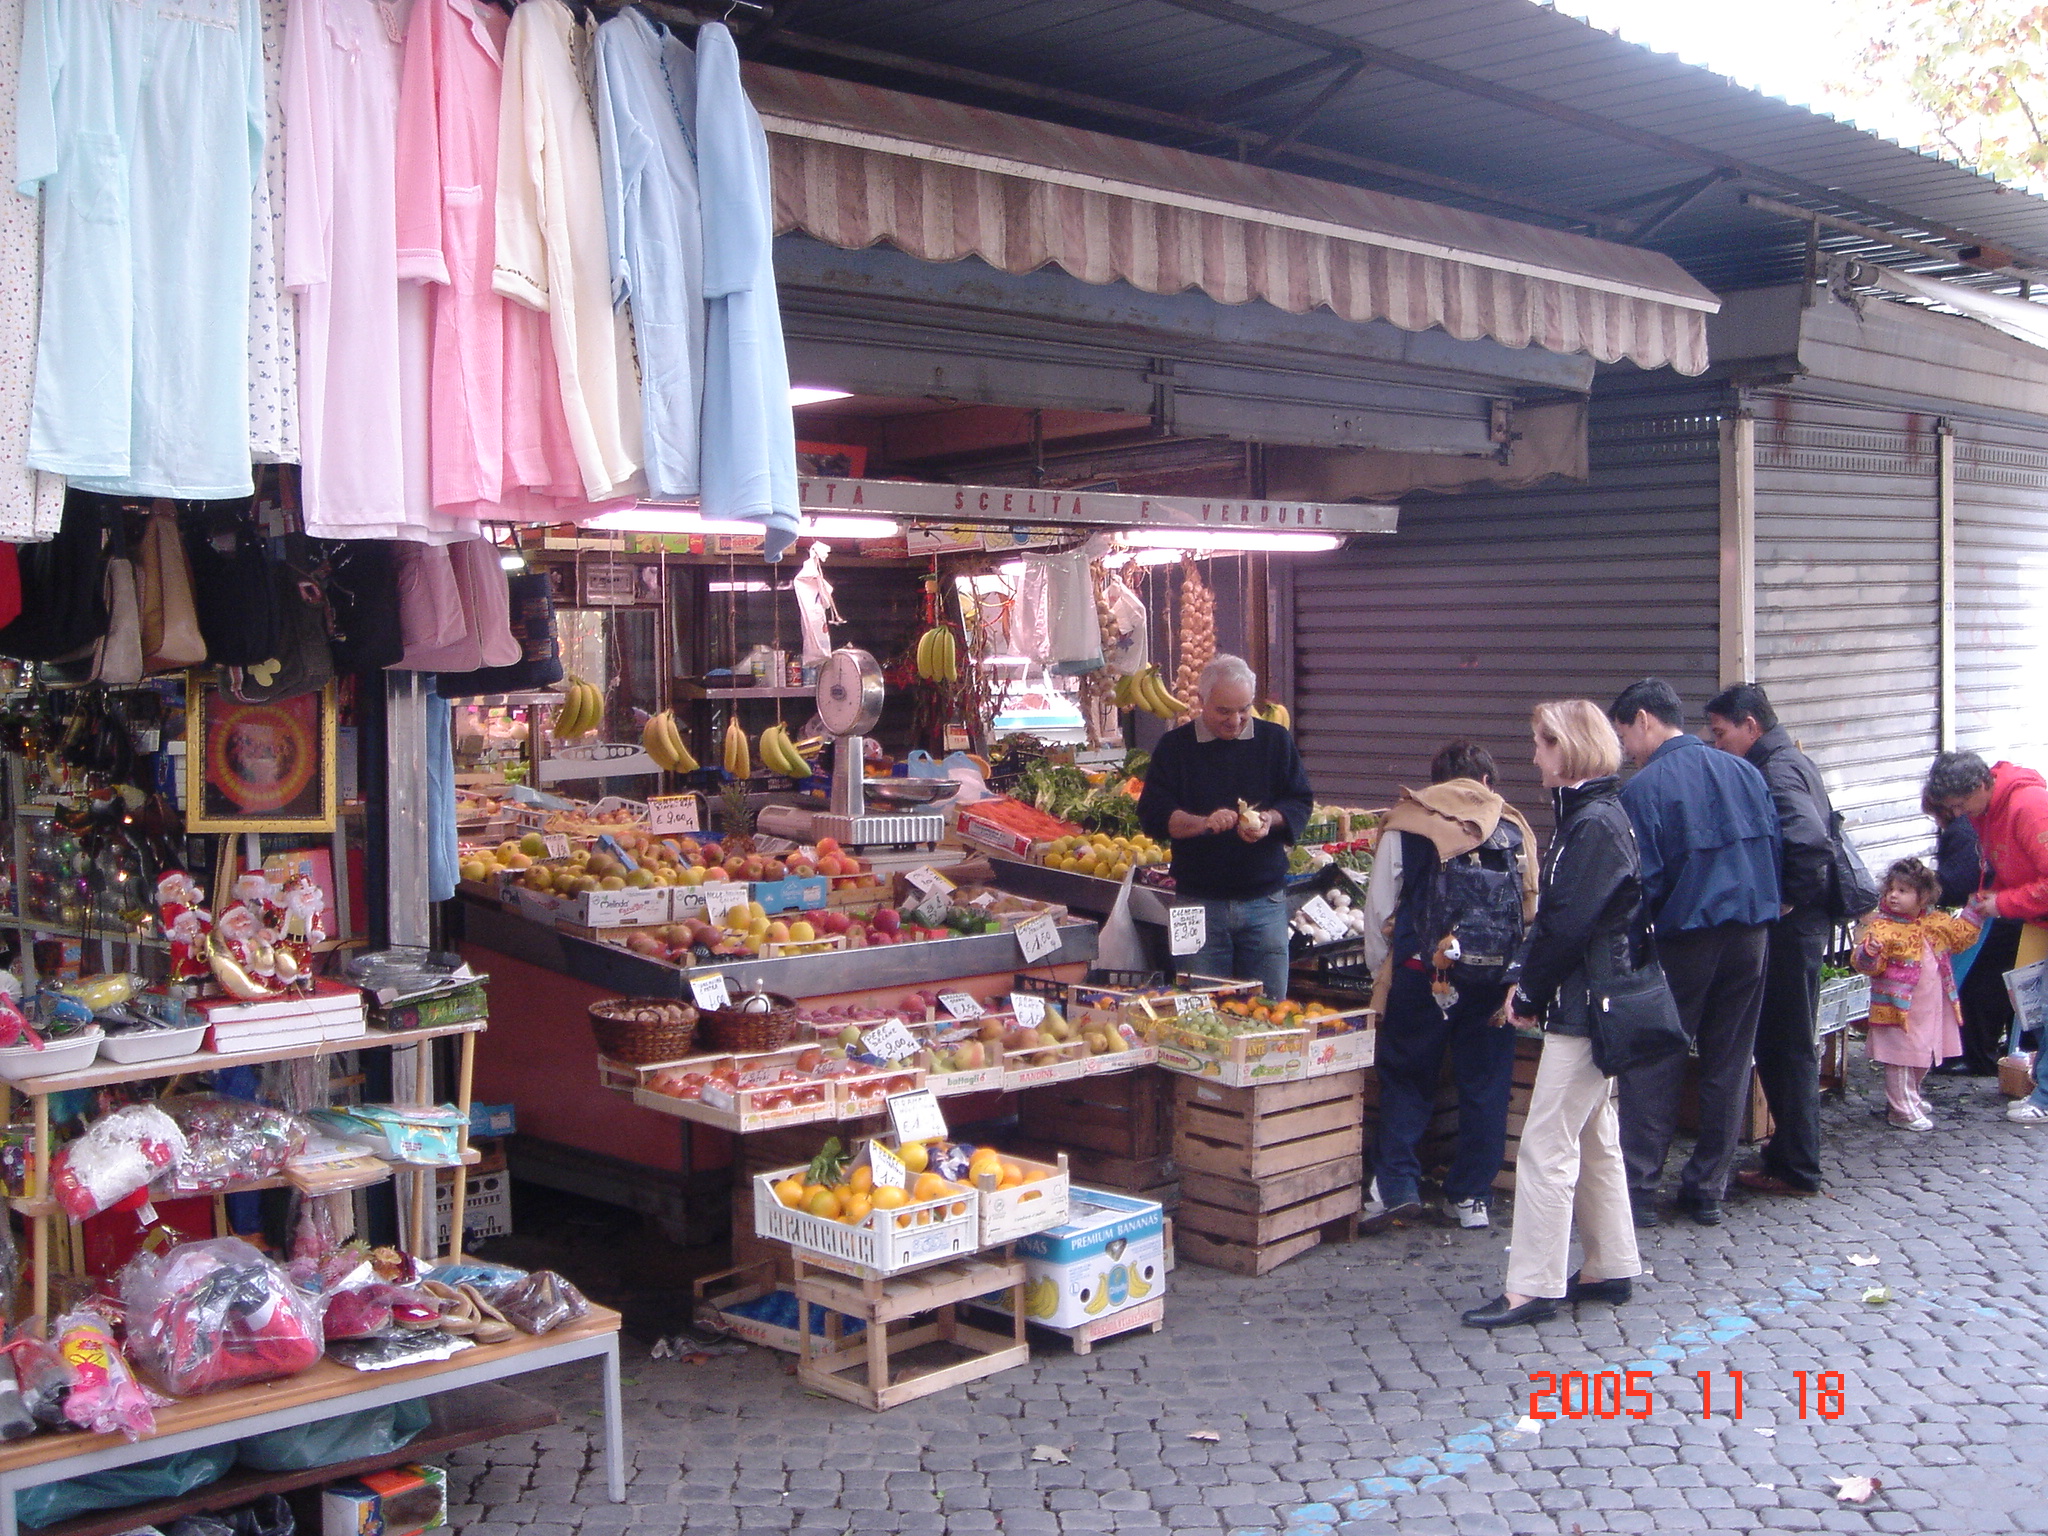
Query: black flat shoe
[1617, 1290]
[1705, 1212]
[1644, 1209]
[1498, 1314]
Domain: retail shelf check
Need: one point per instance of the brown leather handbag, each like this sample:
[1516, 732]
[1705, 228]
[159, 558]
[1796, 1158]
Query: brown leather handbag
[170, 619]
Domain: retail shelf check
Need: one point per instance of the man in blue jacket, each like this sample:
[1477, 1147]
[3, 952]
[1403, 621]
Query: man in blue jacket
[1708, 833]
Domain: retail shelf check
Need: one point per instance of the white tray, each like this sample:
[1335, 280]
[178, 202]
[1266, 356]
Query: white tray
[68, 1055]
[152, 1044]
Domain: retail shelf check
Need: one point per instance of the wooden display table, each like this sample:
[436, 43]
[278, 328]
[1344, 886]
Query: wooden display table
[326, 1391]
[861, 1370]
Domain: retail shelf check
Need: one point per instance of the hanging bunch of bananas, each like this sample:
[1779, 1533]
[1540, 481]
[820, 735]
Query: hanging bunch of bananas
[938, 655]
[1274, 713]
[739, 759]
[1146, 690]
[660, 740]
[582, 710]
[781, 755]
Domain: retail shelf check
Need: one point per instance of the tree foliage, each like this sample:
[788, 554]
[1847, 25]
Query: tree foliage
[1976, 69]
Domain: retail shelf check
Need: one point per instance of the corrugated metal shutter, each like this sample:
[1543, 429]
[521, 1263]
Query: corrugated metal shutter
[2002, 591]
[1484, 605]
[1847, 596]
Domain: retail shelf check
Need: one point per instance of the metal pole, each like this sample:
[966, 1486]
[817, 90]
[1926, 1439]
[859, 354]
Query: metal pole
[1738, 546]
[1945, 539]
[405, 806]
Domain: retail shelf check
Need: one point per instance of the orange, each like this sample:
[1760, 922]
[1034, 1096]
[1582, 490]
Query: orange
[903, 1220]
[957, 1208]
[856, 1208]
[915, 1157]
[862, 1180]
[790, 1192]
[890, 1198]
[929, 1186]
[1033, 1175]
[813, 1190]
[823, 1203]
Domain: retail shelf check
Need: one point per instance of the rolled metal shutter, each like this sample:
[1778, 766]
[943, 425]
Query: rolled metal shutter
[2002, 591]
[1483, 605]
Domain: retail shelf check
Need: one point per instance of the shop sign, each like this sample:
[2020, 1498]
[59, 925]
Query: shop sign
[1019, 504]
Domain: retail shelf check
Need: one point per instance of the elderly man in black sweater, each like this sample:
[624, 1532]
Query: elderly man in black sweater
[1234, 864]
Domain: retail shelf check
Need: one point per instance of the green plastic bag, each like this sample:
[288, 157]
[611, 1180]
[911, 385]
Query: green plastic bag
[346, 1437]
[164, 1478]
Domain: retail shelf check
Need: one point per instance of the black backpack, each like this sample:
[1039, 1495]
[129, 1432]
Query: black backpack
[1477, 897]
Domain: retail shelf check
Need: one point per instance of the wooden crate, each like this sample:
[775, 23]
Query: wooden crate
[1255, 1258]
[868, 1370]
[1254, 1133]
[1755, 1123]
[1126, 1115]
[1205, 1192]
[1151, 1178]
[1264, 1227]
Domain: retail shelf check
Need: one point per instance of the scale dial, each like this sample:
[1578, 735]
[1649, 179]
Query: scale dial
[850, 692]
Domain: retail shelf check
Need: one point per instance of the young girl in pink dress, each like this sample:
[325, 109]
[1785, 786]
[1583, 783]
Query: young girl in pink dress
[1905, 947]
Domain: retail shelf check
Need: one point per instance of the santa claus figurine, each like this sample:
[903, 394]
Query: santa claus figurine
[186, 922]
[304, 925]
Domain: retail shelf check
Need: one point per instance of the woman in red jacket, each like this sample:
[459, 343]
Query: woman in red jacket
[2008, 805]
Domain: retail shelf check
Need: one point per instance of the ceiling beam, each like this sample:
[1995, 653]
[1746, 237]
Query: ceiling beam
[1681, 199]
[1222, 106]
[1247, 139]
[1926, 248]
[1296, 125]
[1253, 19]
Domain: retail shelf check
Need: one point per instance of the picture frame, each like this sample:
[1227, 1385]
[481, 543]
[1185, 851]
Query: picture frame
[613, 584]
[268, 767]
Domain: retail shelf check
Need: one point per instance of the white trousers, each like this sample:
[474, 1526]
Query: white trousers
[1570, 1170]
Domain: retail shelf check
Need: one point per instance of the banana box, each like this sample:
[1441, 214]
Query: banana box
[1109, 1255]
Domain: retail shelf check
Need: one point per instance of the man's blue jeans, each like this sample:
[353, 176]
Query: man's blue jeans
[1246, 940]
[1413, 1038]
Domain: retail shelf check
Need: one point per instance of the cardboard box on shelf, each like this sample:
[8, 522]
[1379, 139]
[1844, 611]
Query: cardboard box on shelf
[403, 1501]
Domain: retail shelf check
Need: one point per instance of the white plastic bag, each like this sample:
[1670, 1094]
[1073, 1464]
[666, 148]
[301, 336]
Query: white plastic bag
[814, 607]
[1119, 946]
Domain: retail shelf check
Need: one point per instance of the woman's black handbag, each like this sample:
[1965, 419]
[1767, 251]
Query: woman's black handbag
[1634, 1017]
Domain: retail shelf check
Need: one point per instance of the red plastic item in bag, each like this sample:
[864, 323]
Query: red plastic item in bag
[203, 1316]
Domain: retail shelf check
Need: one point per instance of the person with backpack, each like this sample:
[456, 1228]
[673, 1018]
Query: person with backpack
[1453, 888]
[1741, 720]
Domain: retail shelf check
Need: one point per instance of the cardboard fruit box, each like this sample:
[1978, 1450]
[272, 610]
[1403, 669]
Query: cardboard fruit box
[1109, 1254]
[1237, 1061]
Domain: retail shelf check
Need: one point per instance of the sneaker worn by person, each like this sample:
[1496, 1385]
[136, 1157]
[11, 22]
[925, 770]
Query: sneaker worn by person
[1617, 1290]
[1471, 1214]
[1919, 1123]
[2026, 1112]
[1378, 1215]
[1498, 1314]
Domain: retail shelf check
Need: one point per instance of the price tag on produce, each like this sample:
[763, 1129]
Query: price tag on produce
[1189, 1002]
[721, 899]
[960, 1005]
[672, 813]
[916, 1116]
[887, 1167]
[889, 1041]
[928, 880]
[711, 991]
[1323, 918]
[1187, 929]
[931, 912]
[1037, 939]
[555, 845]
[1029, 1008]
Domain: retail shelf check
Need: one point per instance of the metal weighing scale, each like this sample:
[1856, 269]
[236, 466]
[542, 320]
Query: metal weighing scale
[850, 704]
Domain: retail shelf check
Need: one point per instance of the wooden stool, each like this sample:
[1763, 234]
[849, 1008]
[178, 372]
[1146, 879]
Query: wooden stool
[862, 1370]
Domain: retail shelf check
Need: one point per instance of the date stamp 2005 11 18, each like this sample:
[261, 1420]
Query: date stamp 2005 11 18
[1611, 1394]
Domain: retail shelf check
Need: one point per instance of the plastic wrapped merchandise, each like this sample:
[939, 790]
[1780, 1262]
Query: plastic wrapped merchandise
[105, 1396]
[539, 1302]
[16, 1422]
[228, 1141]
[214, 1314]
[116, 1158]
[44, 1378]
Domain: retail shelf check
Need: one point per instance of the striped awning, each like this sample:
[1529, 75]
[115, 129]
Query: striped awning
[856, 166]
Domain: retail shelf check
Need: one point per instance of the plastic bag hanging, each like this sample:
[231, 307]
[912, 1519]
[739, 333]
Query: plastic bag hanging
[814, 605]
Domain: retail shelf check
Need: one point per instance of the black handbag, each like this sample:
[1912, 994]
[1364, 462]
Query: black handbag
[1633, 1015]
[1851, 890]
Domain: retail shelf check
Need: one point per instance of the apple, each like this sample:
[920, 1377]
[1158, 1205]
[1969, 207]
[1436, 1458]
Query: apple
[828, 845]
[803, 869]
[779, 933]
[801, 932]
[773, 869]
[886, 920]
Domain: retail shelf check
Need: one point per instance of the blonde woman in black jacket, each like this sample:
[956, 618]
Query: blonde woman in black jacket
[1569, 1170]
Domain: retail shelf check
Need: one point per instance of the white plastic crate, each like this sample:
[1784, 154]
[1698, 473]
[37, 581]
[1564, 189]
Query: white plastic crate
[877, 1245]
[1022, 1209]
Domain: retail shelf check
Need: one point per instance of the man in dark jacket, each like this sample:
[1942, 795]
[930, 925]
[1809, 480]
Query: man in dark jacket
[1708, 835]
[1741, 721]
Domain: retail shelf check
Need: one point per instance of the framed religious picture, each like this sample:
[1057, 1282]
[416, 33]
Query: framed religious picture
[258, 767]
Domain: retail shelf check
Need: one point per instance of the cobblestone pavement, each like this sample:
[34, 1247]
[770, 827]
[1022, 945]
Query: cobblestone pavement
[1343, 1397]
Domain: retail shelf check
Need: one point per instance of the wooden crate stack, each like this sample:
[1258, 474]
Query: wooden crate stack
[1267, 1172]
[1117, 1131]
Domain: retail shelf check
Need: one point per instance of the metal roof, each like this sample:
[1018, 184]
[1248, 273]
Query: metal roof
[1502, 106]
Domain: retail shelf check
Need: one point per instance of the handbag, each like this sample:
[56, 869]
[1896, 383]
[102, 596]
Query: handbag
[63, 591]
[1851, 890]
[170, 620]
[533, 626]
[1633, 1016]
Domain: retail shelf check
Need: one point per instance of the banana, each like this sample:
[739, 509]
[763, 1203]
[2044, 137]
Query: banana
[654, 744]
[569, 723]
[1101, 1297]
[1152, 694]
[738, 759]
[1140, 1286]
[683, 761]
[1275, 714]
[924, 653]
[951, 651]
[779, 756]
[938, 655]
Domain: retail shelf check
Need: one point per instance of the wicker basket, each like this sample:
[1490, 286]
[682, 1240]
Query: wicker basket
[731, 1029]
[624, 1037]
